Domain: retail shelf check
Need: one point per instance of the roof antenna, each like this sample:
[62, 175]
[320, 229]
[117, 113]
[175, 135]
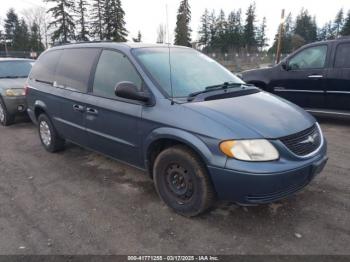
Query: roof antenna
[170, 71]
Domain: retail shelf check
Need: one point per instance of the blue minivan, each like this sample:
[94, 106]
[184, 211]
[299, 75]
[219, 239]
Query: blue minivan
[199, 131]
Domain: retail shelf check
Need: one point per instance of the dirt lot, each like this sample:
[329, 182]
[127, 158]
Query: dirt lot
[78, 202]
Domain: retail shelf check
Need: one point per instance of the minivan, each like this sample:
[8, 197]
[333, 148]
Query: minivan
[315, 77]
[199, 131]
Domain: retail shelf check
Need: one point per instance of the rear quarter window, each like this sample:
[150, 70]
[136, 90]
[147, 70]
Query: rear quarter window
[44, 69]
[342, 56]
[74, 68]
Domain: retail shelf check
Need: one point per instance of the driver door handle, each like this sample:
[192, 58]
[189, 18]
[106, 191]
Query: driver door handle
[315, 76]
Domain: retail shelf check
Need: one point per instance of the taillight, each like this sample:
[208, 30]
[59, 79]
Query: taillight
[26, 89]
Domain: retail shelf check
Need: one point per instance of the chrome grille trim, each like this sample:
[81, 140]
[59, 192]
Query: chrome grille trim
[318, 128]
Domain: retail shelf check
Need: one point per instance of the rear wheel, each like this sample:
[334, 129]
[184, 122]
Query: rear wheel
[48, 135]
[182, 181]
[6, 118]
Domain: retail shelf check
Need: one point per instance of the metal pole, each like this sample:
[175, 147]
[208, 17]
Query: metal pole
[279, 42]
[6, 52]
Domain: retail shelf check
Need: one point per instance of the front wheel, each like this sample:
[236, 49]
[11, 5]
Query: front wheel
[182, 181]
[49, 137]
[6, 118]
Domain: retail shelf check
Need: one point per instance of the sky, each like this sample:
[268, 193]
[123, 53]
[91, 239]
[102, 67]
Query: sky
[146, 15]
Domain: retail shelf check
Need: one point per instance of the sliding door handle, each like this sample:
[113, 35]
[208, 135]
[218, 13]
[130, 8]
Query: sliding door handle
[91, 111]
[315, 76]
[78, 108]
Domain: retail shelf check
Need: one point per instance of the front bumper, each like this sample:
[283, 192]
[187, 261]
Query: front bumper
[15, 105]
[261, 188]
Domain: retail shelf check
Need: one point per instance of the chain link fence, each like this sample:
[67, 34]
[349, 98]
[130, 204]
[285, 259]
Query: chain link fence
[238, 62]
[20, 54]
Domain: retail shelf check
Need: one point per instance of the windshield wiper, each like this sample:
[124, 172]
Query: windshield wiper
[222, 86]
[13, 76]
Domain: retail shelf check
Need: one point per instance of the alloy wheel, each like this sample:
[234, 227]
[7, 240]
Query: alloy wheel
[45, 133]
[2, 114]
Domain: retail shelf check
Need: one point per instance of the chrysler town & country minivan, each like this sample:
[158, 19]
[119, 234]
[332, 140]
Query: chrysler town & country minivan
[200, 132]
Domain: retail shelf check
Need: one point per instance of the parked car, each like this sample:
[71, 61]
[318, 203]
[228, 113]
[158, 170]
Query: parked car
[13, 74]
[315, 77]
[199, 131]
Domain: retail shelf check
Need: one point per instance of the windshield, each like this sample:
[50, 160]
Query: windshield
[10, 69]
[191, 71]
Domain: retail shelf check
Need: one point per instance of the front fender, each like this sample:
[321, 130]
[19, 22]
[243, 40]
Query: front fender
[206, 148]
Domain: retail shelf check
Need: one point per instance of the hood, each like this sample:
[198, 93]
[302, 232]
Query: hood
[12, 83]
[256, 74]
[268, 116]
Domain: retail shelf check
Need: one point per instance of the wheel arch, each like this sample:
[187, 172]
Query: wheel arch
[39, 108]
[163, 138]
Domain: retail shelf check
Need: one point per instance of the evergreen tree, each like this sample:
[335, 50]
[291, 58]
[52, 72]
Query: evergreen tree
[11, 25]
[327, 32]
[97, 28]
[63, 22]
[204, 32]
[183, 30]
[82, 21]
[346, 28]
[235, 30]
[261, 35]
[21, 37]
[114, 22]
[35, 43]
[212, 27]
[338, 22]
[138, 39]
[220, 37]
[305, 27]
[250, 29]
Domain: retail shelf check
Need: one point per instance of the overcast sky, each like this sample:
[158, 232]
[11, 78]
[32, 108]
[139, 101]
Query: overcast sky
[146, 15]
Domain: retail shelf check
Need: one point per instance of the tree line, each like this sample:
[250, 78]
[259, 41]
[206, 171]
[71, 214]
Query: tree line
[237, 31]
[19, 36]
[70, 21]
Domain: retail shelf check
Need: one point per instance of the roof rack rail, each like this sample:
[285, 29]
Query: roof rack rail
[83, 42]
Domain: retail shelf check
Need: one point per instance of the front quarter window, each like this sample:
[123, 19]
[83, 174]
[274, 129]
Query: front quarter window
[191, 71]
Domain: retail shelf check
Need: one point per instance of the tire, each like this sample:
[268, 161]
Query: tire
[48, 135]
[182, 182]
[6, 118]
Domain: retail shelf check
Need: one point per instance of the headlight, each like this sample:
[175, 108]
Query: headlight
[250, 150]
[15, 92]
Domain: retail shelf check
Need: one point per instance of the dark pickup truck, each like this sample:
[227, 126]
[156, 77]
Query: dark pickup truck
[315, 77]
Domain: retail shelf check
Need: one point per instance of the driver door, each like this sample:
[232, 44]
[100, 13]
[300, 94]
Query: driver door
[303, 80]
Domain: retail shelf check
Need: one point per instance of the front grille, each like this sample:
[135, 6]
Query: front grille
[304, 142]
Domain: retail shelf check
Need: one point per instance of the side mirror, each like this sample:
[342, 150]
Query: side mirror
[285, 65]
[129, 90]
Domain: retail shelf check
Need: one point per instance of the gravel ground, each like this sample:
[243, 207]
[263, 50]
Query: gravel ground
[79, 202]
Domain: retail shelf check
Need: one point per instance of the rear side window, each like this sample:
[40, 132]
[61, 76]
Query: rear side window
[74, 68]
[342, 57]
[44, 69]
[112, 68]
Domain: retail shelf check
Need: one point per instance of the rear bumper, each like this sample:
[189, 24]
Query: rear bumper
[15, 105]
[254, 188]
